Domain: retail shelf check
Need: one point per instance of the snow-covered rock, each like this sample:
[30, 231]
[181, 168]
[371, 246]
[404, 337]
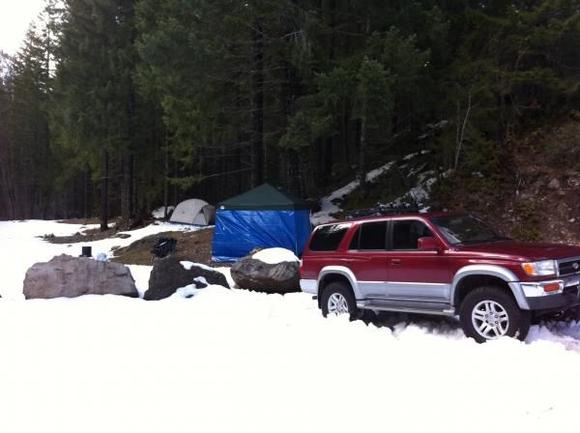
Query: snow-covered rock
[169, 275]
[273, 256]
[68, 277]
[274, 270]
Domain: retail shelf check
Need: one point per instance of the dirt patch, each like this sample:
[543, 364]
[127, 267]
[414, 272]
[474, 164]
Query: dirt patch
[116, 227]
[82, 221]
[88, 235]
[192, 246]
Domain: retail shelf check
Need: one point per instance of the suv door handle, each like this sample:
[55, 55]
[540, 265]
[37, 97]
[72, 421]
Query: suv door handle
[395, 261]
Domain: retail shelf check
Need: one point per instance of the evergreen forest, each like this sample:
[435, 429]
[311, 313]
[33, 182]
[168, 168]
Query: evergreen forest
[115, 107]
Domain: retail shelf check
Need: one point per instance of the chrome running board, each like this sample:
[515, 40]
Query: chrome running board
[418, 307]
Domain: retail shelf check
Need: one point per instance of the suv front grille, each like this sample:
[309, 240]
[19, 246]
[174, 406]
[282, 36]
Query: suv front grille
[569, 266]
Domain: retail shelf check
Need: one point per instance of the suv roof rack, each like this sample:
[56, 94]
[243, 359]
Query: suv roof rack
[381, 209]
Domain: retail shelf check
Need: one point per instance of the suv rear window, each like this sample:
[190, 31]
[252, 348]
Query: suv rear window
[327, 238]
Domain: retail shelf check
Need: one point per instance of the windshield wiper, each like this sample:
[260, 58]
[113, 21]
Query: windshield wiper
[500, 238]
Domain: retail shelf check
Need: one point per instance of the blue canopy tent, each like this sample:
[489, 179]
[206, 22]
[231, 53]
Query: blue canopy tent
[264, 217]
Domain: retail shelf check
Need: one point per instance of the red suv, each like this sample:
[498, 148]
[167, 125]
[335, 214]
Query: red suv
[439, 263]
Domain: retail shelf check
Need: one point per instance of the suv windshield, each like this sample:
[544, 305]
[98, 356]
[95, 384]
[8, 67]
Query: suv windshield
[464, 229]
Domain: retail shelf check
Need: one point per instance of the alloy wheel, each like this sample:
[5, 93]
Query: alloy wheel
[490, 319]
[337, 304]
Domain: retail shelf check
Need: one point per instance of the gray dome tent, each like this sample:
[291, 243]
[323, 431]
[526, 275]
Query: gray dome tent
[193, 211]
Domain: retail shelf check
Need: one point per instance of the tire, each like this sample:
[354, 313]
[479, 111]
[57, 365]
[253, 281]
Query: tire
[488, 313]
[341, 293]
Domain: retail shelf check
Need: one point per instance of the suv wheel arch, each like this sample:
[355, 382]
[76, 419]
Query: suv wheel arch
[473, 276]
[337, 273]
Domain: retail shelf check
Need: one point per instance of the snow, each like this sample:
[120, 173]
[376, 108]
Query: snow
[228, 273]
[201, 280]
[419, 193]
[219, 360]
[273, 256]
[186, 292]
[410, 156]
[328, 204]
[159, 213]
[188, 265]
[141, 276]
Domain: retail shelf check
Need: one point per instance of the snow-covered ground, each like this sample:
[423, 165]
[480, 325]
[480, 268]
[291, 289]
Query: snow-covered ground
[237, 361]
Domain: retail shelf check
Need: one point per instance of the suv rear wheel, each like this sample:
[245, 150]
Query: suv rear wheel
[488, 313]
[337, 299]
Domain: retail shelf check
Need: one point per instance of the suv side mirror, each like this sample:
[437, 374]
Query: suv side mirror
[428, 243]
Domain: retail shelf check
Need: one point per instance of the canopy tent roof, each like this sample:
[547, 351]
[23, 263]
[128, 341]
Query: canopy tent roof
[264, 197]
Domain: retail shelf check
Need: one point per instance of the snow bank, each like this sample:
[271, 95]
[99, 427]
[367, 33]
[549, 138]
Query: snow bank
[273, 256]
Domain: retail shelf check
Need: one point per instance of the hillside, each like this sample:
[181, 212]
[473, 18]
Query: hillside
[537, 197]
[533, 197]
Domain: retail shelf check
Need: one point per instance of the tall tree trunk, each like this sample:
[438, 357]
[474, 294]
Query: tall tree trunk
[363, 135]
[128, 157]
[363, 156]
[86, 186]
[290, 158]
[126, 186]
[8, 195]
[166, 180]
[105, 191]
[258, 106]
[460, 131]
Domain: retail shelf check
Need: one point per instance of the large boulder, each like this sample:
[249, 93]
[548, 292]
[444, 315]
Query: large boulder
[169, 274]
[273, 270]
[68, 277]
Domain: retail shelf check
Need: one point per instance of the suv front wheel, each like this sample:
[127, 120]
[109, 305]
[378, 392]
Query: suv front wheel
[337, 299]
[488, 313]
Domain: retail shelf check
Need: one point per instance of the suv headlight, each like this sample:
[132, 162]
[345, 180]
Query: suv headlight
[543, 268]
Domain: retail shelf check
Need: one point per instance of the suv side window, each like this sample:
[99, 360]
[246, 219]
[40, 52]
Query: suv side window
[328, 238]
[373, 236]
[406, 233]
